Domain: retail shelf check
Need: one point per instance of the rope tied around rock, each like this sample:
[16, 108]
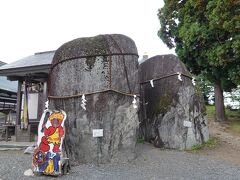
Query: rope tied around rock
[96, 92]
[163, 77]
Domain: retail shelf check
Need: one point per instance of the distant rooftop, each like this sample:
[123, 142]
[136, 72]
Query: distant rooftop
[5, 84]
[8, 85]
[2, 63]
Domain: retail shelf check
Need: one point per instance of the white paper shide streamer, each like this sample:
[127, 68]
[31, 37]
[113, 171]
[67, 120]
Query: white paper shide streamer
[193, 81]
[179, 76]
[46, 104]
[83, 105]
[151, 82]
[134, 102]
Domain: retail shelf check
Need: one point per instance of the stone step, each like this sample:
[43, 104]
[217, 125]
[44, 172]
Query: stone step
[12, 147]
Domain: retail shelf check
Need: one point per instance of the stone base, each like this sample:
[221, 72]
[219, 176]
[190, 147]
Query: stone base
[23, 135]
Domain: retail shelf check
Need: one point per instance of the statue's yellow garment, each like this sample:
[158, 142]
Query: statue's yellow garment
[50, 168]
[54, 138]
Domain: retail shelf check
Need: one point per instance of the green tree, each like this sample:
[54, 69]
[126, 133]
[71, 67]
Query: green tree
[205, 87]
[206, 37]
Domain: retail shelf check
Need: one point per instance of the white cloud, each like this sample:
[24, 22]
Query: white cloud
[30, 26]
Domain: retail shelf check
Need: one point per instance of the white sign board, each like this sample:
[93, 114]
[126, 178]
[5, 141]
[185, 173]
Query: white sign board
[187, 124]
[32, 105]
[97, 132]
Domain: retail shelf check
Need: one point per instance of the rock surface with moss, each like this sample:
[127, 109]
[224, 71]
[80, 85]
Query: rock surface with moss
[170, 104]
[92, 66]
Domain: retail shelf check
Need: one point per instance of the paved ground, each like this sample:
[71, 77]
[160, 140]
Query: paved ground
[228, 147]
[151, 163]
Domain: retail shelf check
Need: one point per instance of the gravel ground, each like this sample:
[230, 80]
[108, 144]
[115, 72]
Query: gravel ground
[151, 163]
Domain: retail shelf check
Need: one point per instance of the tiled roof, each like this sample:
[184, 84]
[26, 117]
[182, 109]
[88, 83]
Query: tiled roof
[38, 59]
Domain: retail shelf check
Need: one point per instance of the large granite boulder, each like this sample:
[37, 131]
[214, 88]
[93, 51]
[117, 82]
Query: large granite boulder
[172, 111]
[105, 69]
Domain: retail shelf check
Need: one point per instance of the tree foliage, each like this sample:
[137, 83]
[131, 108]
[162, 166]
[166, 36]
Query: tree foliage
[206, 37]
[205, 87]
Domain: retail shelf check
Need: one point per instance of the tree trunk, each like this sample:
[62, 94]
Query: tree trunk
[219, 103]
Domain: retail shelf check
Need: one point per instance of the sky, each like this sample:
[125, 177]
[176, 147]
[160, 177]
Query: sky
[29, 26]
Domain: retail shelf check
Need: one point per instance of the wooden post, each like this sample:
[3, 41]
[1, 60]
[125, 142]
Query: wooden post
[45, 95]
[19, 103]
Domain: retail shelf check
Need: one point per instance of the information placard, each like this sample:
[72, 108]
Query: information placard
[187, 124]
[97, 132]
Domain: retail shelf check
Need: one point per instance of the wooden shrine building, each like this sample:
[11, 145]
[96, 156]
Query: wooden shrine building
[31, 73]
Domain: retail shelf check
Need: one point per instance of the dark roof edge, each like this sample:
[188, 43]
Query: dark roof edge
[27, 69]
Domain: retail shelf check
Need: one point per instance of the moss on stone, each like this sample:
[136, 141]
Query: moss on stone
[90, 61]
[163, 105]
[199, 98]
[198, 91]
[95, 46]
[82, 47]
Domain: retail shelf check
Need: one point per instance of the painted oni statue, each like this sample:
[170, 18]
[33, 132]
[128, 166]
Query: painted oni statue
[51, 131]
